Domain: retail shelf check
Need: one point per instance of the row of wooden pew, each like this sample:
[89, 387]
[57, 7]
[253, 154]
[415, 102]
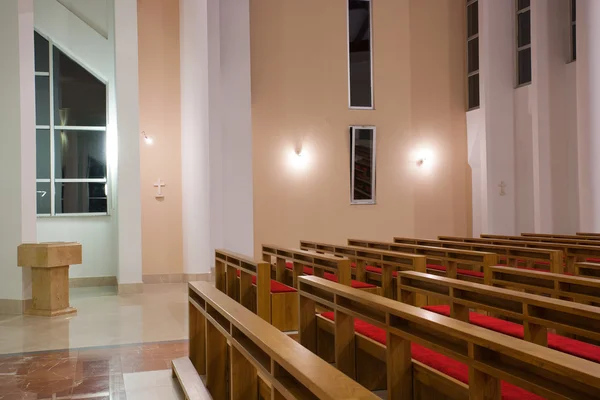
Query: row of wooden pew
[420, 319]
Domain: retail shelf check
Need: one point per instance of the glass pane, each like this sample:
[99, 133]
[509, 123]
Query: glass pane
[42, 154]
[80, 154]
[81, 197]
[79, 98]
[472, 19]
[473, 91]
[363, 164]
[574, 42]
[524, 66]
[42, 53]
[521, 4]
[473, 55]
[43, 197]
[42, 100]
[524, 28]
[359, 33]
[573, 10]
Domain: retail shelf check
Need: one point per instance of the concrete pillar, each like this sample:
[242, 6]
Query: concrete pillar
[128, 127]
[588, 117]
[17, 150]
[195, 128]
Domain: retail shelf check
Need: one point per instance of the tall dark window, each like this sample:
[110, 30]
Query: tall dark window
[70, 135]
[472, 54]
[523, 42]
[360, 54]
[362, 164]
[573, 29]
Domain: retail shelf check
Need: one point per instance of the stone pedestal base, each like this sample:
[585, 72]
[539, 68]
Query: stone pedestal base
[50, 288]
[49, 264]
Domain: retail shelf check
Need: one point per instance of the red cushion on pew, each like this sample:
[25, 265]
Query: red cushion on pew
[445, 365]
[467, 272]
[276, 287]
[331, 277]
[594, 260]
[556, 342]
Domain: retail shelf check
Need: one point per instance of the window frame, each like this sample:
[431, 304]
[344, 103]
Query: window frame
[519, 49]
[572, 24]
[373, 199]
[52, 128]
[474, 73]
[350, 106]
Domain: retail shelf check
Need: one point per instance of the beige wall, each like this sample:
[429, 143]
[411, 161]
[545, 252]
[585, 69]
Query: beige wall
[300, 95]
[160, 116]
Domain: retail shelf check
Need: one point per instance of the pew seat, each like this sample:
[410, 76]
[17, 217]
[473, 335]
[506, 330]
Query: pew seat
[331, 277]
[557, 342]
[439, 362]
[276, 287]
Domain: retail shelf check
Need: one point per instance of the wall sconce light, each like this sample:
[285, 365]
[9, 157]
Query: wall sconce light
[421, 161]
[147, 138]
[298, 158]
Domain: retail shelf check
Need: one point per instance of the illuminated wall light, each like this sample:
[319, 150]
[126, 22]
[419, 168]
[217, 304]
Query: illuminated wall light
[147, 138]
[423, 158]
[298, 158]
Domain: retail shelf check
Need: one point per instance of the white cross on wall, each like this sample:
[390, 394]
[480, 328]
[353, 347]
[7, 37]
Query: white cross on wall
[159, 184]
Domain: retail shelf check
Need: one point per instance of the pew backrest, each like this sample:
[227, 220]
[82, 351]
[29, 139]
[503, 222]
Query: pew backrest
[576, 240]
[536, 313]
[447, 257]
[555, 236]
[490, 356]
[575, 288]
[388, 261]
[570, 251]
[320, 263]
[227, 265]
[513, 254]
[588, 234]
[290, 369]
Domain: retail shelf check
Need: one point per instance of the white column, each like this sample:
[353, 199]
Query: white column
[17, 146]
[195, 128]
[238, 213]
[497, 103]
[588, 115]
[540, 98]
[128, 128]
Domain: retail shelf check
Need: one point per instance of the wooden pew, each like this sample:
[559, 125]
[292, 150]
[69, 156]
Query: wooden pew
[249, 282]
[551, 260]
[242, 355]
[372, 264]
[447, 262]
[560, 286]
[306, 263]
[555, 236]
[371, 334]
[588, 269]
[587, 234]
[571, 252]
[535, 313]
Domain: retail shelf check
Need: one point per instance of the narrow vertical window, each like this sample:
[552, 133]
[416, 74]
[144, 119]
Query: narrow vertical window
[360, 56]
[71, 110]
[362, 164]
[472, 54]
[573, 29]
[523, 42]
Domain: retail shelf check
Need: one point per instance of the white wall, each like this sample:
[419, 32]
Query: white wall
[530, 131]
[84, 44]
[17, 144]
[95, 13]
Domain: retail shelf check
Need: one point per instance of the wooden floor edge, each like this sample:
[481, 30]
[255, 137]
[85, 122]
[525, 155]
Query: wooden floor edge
[189, 380]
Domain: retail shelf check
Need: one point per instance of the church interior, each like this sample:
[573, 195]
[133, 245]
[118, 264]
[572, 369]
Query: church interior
[279, 199]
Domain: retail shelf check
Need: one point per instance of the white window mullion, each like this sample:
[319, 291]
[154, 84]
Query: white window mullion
[52, 156]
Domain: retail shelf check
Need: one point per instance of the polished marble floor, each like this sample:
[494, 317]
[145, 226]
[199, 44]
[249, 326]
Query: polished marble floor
[103, 318]
[105, 373]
